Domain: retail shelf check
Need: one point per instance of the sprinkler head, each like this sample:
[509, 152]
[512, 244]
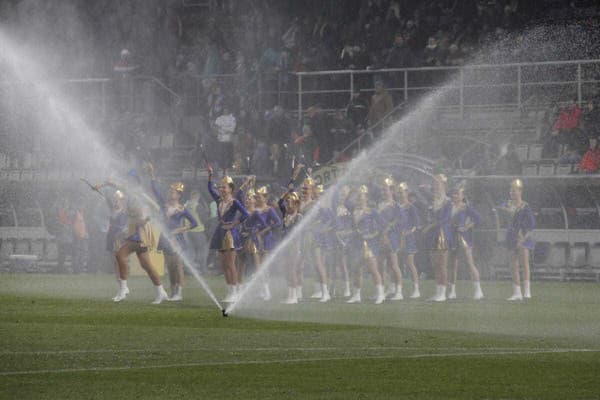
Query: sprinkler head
[224, 313]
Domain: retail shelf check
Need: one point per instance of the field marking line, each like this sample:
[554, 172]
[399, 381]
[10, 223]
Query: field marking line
[258, 349]
[289, 361]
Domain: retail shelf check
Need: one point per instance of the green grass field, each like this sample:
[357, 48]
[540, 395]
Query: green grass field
[62, 338]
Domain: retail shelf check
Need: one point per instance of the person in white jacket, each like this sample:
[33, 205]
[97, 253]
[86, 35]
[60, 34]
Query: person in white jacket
[225, 126]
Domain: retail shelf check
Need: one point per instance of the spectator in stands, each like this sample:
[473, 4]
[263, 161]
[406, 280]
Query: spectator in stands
[358, 108]
[225, 126]
[381, 104]
[590, 119]
[508, 163]
[454, 58]
[125, 67]
[591, 159]
[431, 54]
[400, 55]
[307, 146]
[565, 131]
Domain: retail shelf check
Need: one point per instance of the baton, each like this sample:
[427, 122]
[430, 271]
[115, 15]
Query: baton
[92, 187]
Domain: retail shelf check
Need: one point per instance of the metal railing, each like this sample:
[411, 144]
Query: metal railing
[462, 88]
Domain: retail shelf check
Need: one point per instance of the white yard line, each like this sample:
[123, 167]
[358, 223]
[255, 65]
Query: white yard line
[291, 361]
[255, 349]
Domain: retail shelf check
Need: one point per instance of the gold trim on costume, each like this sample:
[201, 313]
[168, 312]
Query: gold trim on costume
[227, 242]
[441, 241]
[367, 253]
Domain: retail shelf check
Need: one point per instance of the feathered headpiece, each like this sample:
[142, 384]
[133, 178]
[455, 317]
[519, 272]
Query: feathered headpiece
[262, 190]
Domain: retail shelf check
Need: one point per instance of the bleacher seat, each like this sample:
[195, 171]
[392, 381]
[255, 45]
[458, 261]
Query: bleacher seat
[167, 141]
[578, 255]
[546, 169]
[541, 253]
[22, 247]
[557, 258]
[594, 256]
[522, 151]
[37, 248]
[535, 152]
[51, 251]
[529, 169]
[564, 169]
[6, 249]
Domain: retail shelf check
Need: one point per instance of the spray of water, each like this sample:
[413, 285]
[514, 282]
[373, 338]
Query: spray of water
[95, 155]
[358, 170]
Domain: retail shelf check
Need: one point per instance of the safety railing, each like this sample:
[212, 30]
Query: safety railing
[461, 88]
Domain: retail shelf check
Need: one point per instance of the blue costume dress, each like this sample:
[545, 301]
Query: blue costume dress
[226, 239]
[438, 234]
[389, 212]
[117, 228]
[408, 224]
[365, 241]
[174, 218]
[343, 227]
[271, 222]
[521, 224]
[463, 216]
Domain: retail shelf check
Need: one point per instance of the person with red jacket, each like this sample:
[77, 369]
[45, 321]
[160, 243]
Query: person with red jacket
[591, 159]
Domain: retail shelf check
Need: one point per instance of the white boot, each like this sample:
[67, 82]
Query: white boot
[398, 294]
[355, 297]
[478, 292]
[516, 293]
[347, 292]
[325, 294]
[123, 291]
[318, 292]
[266, 292]
[299, 294]
[526, 290]
[161, 295]
[452, 294]
[390, 291]
[229, 297]
[291, 299]
[380, 297]
[416, 293]
[178, 294]
[440, 293]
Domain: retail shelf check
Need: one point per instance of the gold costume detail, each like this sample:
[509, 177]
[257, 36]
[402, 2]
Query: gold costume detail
[178, 187]
[517, 184]
[367, 253]
[262, 190]
[441, 241]
[250, 247]
[227, 243]
[309, 181]
[363, 189]
[389, 181]
[226, 180]
[403, 186]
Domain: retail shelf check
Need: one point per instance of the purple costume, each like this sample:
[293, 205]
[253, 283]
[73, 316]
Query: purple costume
[271, 221]
[521, 224]
[117, 227]
[389, 212]
[463, 216]
[407, 225]
[365, 240]
[174, 218]
[226, 239]
[438, 234]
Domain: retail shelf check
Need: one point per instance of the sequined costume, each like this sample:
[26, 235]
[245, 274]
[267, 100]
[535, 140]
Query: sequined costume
[365, 240]
[521, 224]
[226, 239]
[462, 220]
[174, 218]
[389, 212]
[407, 226]
[438, 234]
